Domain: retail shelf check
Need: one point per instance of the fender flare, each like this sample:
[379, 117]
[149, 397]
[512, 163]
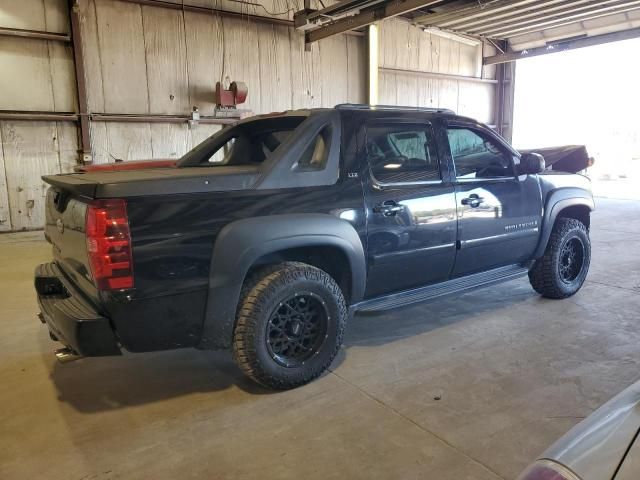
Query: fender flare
[557, 201]
[242, 242]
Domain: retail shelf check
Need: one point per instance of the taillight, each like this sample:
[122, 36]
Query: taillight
[109, 244]
[547, 470]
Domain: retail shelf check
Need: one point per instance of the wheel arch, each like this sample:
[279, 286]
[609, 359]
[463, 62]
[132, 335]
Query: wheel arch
[247, 244]
[564, 203]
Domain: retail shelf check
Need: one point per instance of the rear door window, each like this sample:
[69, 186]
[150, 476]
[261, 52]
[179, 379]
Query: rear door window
[402, 153]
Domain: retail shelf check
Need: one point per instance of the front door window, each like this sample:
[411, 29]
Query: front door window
[478, 156]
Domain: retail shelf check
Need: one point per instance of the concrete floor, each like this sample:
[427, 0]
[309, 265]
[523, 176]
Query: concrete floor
[466, 388]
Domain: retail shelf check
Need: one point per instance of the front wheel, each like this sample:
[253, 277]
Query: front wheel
[563, 269]
[289, 325]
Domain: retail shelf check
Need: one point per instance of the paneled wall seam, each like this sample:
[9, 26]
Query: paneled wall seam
[186, 55]
[6, 179]
[146, 67]
[146, 60]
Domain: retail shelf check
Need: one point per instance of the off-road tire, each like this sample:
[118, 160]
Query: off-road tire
[261, 298]
[546, 275]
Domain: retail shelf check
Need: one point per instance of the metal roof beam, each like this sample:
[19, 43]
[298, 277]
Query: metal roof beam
[341, 8]
[560, 46]
[465, 12]
[387, 10]
[545, 22]
[470, 12]
[517, 14]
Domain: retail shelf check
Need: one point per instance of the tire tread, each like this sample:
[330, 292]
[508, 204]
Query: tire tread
[543, 275]
[261, 285]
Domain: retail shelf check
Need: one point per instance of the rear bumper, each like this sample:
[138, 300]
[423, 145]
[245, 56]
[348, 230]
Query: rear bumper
[72, 319]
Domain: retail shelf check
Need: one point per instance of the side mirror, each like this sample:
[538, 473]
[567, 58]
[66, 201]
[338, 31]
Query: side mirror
[531, 163]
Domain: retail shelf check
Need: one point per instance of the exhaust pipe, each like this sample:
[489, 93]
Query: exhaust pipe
[66, 355]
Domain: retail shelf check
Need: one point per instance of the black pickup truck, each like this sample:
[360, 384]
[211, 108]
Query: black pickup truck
[266, 237]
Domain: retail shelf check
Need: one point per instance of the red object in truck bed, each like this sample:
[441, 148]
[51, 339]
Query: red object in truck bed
[132, 165]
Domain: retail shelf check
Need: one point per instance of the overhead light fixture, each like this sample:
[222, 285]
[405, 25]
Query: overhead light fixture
[472, 42]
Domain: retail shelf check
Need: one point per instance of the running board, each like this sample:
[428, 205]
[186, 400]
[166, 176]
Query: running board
[450, 287]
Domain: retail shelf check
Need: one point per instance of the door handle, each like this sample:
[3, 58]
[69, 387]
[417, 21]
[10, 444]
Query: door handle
[388, 208]
[474, 200]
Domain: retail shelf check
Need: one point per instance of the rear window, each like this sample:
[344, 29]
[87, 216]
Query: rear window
[247, 143]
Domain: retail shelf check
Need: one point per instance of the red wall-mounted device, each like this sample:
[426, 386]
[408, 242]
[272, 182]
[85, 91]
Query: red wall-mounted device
[236, 95]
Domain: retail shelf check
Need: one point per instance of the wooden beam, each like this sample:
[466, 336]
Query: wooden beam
[560, 46]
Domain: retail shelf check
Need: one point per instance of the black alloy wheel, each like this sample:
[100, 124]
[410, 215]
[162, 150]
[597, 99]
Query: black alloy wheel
[571, 260]
[297, 328]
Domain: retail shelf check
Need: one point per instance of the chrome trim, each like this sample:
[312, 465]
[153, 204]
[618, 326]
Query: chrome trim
[495, 238]
[382, 185]
[383, 256]
[491, 179]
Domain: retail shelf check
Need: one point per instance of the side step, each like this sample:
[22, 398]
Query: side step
[450, 287]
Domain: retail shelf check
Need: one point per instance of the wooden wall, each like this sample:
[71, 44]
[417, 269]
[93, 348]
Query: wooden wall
[159, 61]
[36, 75]
[149, 60]
[403, 46]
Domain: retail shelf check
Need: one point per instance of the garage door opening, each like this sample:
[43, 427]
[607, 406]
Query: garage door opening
[587, 96]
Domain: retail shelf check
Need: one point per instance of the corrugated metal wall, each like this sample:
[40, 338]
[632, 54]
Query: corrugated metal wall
[147, 60]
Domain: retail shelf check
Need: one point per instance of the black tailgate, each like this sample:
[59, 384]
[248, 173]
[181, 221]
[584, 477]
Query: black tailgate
[65, 216]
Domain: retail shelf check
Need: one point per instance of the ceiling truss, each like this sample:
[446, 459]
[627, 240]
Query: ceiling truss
[492, 20]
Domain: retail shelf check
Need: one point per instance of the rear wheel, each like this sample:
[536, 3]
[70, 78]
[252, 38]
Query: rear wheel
[289, 325]
[563, 269]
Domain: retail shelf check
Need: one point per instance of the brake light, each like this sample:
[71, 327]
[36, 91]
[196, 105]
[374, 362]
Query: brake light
[547, 470]
[109, 244]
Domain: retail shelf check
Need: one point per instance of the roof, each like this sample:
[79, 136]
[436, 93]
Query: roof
[399, 108]
[531, 23]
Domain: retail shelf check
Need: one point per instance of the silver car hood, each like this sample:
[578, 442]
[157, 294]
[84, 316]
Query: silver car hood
[594, 448]
[630, 469]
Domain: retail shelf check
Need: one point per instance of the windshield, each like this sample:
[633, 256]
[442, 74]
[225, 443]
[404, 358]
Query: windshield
[246, 143]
